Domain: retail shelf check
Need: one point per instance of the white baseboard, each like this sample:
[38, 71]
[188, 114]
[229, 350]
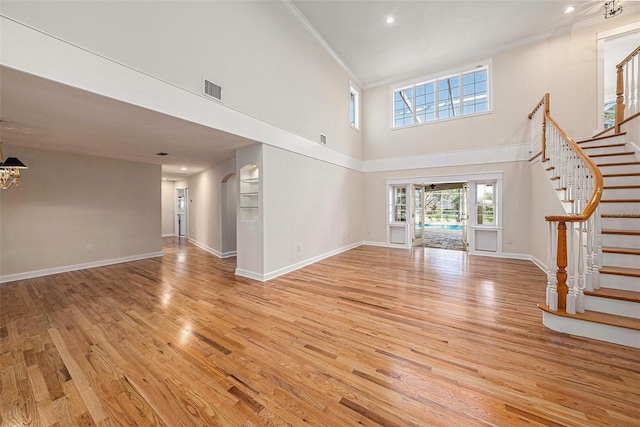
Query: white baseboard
[250, 274]
[206, 248]
[298, 265]
[83, 266]
[229, 254]
[168, 235]
[542, 266]
[386, 245]
[505, 255]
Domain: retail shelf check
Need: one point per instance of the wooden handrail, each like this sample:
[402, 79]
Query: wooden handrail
[597, 187]
[628, 58]
[543, 101]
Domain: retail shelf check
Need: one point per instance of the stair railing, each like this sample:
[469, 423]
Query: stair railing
[628, 77]
[574, 247]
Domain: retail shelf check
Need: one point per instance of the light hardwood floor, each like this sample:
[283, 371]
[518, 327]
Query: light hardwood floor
[370, 337]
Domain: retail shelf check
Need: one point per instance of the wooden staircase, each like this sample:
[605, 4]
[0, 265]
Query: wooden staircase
[612, 308]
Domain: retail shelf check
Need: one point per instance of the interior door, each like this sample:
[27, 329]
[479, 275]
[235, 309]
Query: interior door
[417, 214]
[464, 215]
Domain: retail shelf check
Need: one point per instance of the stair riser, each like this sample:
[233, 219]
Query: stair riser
[620, 169]
[621, 260]
[620, 241]
[621, 224]
[612, 306]
[621, 180]
[604, 150]
[619, 208]
[622, 193]
[607, 141]
[623, 283]
[598, 331]
[614, 159]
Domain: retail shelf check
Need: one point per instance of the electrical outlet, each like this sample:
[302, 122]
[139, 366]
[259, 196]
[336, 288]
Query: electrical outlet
[89, 246]
[298, 248]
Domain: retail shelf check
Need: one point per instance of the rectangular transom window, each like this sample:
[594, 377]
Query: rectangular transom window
[455, 95]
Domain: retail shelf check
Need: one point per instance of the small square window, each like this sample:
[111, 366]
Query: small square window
[354, 107]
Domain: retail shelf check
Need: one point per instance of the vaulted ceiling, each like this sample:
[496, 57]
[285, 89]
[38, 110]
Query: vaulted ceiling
[427, 35]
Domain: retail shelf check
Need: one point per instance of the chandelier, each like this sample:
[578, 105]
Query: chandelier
[9, 170]
[612, 8]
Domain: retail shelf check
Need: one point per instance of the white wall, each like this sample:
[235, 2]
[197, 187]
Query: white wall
[229, 200]
[250, 234]
[66, 202]
[311, 209]
[168, 208]
[267, 63]
[544, 202]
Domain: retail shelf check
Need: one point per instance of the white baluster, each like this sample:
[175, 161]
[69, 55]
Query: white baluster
[597, 255]
[589, 278]
[571, 265]
[552, 280]
[580, 283]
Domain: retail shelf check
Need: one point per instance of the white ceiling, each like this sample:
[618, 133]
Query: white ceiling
[42, 114]
[427, 34]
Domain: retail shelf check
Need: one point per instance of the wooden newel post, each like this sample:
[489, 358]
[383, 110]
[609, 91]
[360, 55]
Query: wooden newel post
[544, 126]
[561, 275]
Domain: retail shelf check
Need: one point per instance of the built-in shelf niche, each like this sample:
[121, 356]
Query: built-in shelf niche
[249, 193]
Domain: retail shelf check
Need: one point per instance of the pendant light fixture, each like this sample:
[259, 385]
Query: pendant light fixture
[10, 170]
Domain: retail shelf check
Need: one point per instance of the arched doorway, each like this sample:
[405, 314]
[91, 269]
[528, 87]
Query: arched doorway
[228, 205]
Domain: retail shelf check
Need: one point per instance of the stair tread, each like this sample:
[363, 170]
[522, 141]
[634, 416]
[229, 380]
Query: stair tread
[620, 271]
[621, 232]
[622, 215]
[604, 146]
[623, 153]
[615, 294]
[620, 201]
[597, 317]
[621, 187]
[601, 138]
[619, 164]
[620, 175]
[625, 251]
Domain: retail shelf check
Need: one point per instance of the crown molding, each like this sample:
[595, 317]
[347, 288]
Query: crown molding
[312, 30]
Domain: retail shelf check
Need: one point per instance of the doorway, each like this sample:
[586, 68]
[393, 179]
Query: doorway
[613, 46]
[445, 216]
[229, 191]
[182, 217]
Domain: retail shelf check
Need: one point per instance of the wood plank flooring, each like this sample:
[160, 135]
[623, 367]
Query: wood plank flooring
[371, 337]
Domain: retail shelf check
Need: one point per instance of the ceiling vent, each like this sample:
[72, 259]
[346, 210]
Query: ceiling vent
[323, 139]
[212, 90]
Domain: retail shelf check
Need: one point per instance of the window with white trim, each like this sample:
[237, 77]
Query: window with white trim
[485, 204]
[454, 95]
[354, 103]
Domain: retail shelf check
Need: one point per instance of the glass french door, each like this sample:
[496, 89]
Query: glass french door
[417, 214]
[464, 215]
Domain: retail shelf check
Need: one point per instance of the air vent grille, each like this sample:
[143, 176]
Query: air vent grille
[323, 139]
[212, 90]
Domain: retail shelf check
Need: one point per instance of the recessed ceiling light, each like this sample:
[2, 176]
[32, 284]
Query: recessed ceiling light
[569, 9]
[389, 20]
[183, 169]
